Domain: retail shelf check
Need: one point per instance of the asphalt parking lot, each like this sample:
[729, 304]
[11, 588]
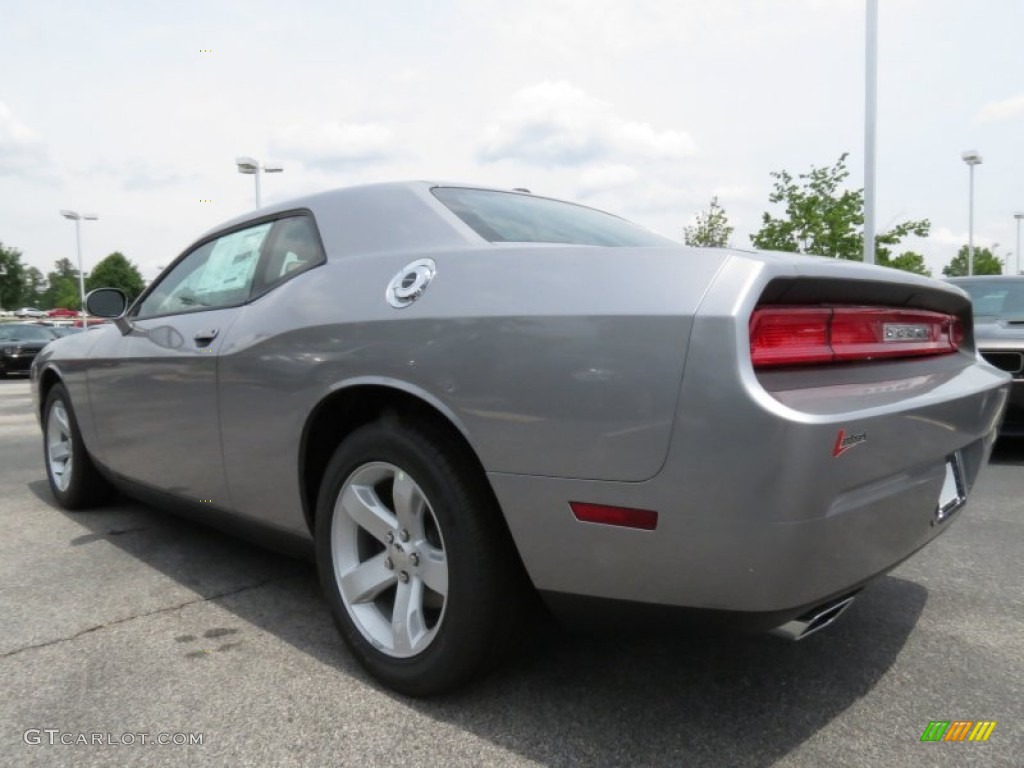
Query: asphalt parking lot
[125, 621]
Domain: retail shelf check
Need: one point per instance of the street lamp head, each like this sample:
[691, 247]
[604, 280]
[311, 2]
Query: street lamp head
[70, 215]
[971, 157]
[273, 168]
[247, 165]
[90, 216]
[1019, 215]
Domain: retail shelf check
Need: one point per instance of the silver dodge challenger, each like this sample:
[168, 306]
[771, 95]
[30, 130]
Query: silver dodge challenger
[458, 399]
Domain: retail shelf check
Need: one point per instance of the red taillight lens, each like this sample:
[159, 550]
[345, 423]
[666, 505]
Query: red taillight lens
[805, 335]
[644, 519]
[796, 335]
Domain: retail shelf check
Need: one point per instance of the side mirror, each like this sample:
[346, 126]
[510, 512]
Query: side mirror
[110, 303]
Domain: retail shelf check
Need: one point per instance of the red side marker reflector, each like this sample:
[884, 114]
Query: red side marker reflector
[625, 517]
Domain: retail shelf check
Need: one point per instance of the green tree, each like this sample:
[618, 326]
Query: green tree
[908, 261]
[35, 287]
[12, 278]
[711, 229]
[62, 286]
[115, 271]
[823, 217]
[985, 263]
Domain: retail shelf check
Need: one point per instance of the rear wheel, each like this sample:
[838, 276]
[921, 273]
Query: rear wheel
[74, 479]
[420, 575]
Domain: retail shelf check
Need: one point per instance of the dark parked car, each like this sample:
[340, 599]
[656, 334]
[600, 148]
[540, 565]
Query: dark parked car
[457, 398]
[19, 344]
[999, 335]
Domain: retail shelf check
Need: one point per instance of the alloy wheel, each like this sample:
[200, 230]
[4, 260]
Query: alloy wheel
[59, 446]
[389, 559]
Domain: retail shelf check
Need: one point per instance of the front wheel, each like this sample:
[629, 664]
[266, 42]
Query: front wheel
[74, 479]
[418, 570]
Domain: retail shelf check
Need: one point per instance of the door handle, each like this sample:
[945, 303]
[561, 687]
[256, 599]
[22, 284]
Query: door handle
[202, 338]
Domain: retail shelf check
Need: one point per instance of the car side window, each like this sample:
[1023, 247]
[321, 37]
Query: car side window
[217, 274]
[293, 247]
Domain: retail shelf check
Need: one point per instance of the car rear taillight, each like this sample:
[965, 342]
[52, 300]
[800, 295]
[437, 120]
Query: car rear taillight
[785, 335]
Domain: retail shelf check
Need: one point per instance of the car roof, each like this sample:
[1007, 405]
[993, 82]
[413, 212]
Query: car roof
[391, 217]
[986, 278]
[321, 199]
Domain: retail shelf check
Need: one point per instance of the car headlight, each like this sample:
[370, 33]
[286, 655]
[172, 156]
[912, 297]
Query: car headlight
[9, 350]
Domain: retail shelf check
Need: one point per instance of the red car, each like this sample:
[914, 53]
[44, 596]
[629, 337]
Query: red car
[61, 312]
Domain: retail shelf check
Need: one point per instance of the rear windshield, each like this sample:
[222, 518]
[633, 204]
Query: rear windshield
[1003, 299]
[509, 217]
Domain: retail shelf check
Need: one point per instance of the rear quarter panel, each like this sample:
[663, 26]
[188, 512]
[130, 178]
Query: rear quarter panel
[756, 511]
[556, 361]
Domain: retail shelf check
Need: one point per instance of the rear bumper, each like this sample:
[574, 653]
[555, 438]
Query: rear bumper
[756, 514]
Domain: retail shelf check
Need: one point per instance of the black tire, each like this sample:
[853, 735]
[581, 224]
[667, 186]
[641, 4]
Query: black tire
[483, 610]
[85, 487]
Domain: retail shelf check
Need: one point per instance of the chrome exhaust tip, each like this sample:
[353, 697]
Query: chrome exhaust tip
[815, 619]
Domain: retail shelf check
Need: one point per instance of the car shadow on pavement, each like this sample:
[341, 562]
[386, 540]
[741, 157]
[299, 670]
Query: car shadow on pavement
[679, 699]
[705, 698]
[1008, 450]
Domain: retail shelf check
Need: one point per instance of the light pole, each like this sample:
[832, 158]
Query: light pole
[1018, 216]
[251, 166]
[870, 103]
[972, 158]
[76, 217]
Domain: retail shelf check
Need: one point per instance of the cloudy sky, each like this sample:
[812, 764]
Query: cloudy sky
[136, 110]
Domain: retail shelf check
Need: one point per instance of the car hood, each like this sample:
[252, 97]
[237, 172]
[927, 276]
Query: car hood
[998, 330]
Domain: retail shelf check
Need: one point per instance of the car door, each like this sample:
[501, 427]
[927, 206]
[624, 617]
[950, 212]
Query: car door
[154, 390]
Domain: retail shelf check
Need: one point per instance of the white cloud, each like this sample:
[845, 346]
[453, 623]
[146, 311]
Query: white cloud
[735, 192]
[21, 151]
[556, 123]
[1001, 110]
[951, 241]
[944, 236]
[334, 145]
[648, 199]
[139, 174]
[568, 29]
[601, 178]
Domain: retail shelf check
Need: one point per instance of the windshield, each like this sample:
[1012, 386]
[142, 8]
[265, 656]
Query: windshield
[508, 217]
[25, 333]
[1001, 299]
